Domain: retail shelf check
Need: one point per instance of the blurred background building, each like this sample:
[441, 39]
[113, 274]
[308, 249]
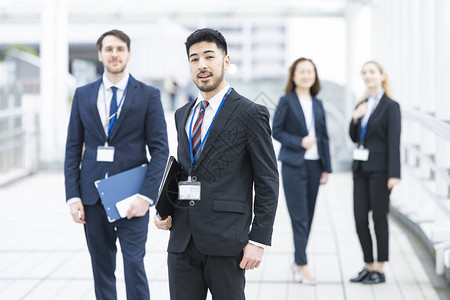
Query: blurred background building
[47, 49]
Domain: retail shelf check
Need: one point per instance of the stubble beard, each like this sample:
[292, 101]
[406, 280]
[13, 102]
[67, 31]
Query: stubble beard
[209, 88]
[115, 72]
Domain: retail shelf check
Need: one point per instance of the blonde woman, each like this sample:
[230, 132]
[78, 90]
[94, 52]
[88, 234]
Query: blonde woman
[375, 127]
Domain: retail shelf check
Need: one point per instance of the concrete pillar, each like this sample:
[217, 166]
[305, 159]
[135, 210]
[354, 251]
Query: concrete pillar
[427, 60]
[403, 88]
[54, 73]
[413, 38]
[359, 50]
[442, 75]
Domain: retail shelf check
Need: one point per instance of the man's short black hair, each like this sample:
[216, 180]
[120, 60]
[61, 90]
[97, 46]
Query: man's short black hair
[117, 33]
[206, 35]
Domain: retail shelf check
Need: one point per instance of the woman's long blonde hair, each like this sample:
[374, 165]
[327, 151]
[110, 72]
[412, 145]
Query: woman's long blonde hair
[385, 84]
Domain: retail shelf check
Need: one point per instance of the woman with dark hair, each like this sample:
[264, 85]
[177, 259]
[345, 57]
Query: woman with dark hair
[375, 127]
[299, 125]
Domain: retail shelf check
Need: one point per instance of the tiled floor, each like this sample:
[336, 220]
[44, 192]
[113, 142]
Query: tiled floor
[43, 254]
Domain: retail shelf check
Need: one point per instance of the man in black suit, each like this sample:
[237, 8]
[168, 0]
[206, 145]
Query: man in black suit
[224, 144]
[122, 117]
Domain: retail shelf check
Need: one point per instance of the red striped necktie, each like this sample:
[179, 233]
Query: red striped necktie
[197, 130]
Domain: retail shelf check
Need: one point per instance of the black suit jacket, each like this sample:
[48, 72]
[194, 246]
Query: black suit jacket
[382, 139]
[141, 124]
[237, 157]
[289, 128]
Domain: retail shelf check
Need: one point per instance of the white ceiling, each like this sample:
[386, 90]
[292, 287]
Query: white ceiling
[83, 10]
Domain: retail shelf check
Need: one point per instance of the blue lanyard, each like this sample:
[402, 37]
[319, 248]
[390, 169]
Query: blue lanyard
[111, 123]
[207, 133]
[363, 134]
[364, 128]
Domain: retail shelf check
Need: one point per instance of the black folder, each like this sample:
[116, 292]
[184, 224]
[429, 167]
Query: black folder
[168, 190]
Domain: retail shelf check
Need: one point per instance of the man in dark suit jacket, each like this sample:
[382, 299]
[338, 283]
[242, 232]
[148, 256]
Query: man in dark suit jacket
[215, 239]
[120, 115]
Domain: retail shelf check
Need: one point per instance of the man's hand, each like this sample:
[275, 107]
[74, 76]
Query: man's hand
[77, 212]
[165, 224]
[138, 208]
[252, 257]
[308, 142]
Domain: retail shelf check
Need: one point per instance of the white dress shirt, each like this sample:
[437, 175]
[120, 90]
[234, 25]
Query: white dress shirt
[104, 99]
[210, 111]
[307, 106]
[371, 105]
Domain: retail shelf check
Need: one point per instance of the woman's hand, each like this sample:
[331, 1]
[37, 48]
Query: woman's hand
[359, 112]
[324, 178]
[392, 181]
[308, 142]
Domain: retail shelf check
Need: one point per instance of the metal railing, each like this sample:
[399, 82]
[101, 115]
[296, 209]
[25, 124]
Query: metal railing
[423, 197]
[18, 128]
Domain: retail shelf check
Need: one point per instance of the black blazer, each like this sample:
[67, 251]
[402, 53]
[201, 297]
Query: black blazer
[237, 156]
[289, 128]
[382, 139]
[141, 124]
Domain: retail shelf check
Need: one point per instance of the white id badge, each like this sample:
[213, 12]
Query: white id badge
[189, 190]
[361, 154]
[105, 153]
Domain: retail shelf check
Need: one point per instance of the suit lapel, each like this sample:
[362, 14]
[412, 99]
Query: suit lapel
[376, 112]
[317, 114]
[184, 140]
[95, 114]
[130, 97]
[298, 111]
[228, 107]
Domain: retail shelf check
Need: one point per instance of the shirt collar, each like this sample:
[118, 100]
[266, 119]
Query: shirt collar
[121, 85]
[214, 102]
[377, 97]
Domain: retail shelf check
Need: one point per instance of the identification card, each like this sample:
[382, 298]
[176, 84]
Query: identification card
[105, 153]
[361, 154]
[189, 190]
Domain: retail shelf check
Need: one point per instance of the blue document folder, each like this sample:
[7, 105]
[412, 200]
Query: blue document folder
[120, 187]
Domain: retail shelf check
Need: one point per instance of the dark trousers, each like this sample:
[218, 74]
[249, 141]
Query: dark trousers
[101, 236]
[301, 185]
[370, 193]
[191, 274]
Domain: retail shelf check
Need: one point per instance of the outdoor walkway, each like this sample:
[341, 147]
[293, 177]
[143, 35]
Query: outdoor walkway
[43, 254]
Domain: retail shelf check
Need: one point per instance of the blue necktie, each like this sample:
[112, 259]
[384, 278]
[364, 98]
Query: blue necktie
[113, 109]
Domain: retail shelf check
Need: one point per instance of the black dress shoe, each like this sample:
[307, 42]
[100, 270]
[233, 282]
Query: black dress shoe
[374, 278]
[361, 275]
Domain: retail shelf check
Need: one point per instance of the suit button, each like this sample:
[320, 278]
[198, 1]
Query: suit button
[192, 203]
[194, 178]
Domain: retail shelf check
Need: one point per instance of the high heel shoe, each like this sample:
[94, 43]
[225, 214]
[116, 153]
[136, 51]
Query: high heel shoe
[296, 274]
[299, 277]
